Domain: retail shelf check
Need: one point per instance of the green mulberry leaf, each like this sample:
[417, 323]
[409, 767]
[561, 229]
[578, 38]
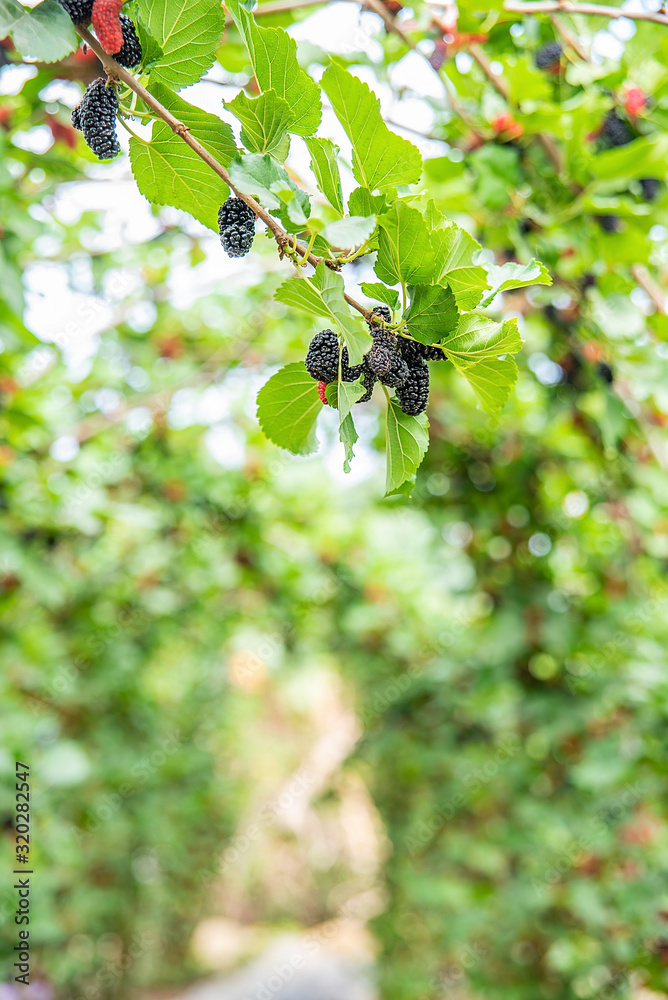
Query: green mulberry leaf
[265, 120]
[433, 313]
[273, 55]
[322, 295]
[44, 33]
[381, 159]
[406, 443]
[287, 409]
[188, 32]
[404, 253]
[326, 169]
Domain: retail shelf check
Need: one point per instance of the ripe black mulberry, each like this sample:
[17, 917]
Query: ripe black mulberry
[384, 313]
[385, 361]
[411, 350]
[616, 132]
[95, 116]
[322, 358]
[79, 10]
[549, 55]
[130, 53]
[413, 395]
[236, 225]
[605, 372]
[650, 187]
[322, 364]
[609, 223]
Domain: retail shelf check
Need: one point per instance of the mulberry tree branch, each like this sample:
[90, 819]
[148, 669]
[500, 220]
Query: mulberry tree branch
[589, 9]
[282, 238]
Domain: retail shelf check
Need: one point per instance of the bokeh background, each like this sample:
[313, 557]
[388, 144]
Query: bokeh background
[268, 713]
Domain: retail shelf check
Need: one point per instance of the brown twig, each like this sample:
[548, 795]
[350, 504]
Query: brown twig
[589, 9]
[378, 7]
[647, 283]
[283, 239]
[499, 85]
[569, 39]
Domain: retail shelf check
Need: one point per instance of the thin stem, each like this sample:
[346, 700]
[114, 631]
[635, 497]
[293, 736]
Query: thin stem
[133, 134]
[647, 283]
[308, 249]
[499, 85]
[589, 9]
[569, 39]
[403, 293]
[346, 258]
[280, 235]
[133, 113]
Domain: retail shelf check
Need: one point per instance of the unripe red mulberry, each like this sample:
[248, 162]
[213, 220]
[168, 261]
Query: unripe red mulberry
[106, 21]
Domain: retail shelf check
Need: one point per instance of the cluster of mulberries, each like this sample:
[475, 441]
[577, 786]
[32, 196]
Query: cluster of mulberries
[322, 364]
[95, 116]
[129, 55]
[236, 225]
[397, 362]
[79, 10]
[549, 56]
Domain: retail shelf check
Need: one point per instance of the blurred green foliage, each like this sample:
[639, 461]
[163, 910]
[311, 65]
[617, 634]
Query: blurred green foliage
[502, 634]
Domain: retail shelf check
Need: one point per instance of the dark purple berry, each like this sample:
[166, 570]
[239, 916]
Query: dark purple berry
[605, 373]
[411, 350]
[413, 395]
[322, 358]
[615, 132]
[236, 225]
[650, 187]
[382, 312]
[384, 359]
[95, 116]
[609, 223]
[549, 55]
[130, 54]
[79, 10]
